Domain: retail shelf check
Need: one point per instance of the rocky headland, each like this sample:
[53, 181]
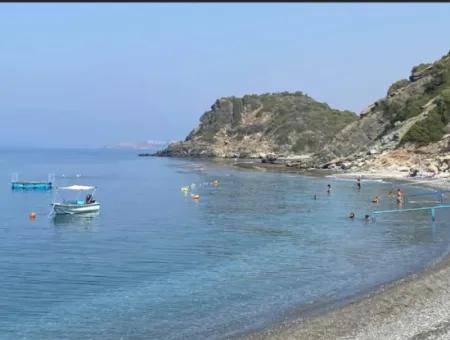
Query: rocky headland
[267, 126]
[406, 132]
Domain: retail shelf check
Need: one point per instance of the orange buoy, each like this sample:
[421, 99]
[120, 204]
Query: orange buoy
[32, 215]
[195, 197]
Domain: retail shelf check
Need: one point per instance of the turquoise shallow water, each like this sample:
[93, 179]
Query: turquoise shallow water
[157, 265]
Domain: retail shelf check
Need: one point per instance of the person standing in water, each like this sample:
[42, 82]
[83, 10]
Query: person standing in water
[358, 183]
[329, 188]
[399, 197]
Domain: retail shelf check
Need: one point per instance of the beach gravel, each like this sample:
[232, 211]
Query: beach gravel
[416, 307]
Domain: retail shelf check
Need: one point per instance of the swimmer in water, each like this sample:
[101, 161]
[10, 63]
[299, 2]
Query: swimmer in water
[352, 215]
[376, 200]
[329, 188]
[367, 218]
[315, 197]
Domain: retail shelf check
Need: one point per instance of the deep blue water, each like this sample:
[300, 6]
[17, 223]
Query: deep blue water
[157, 265]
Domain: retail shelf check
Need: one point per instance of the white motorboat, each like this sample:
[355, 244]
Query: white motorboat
[83, 202]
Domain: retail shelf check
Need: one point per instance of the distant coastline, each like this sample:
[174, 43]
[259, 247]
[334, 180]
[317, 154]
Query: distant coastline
[149, 145]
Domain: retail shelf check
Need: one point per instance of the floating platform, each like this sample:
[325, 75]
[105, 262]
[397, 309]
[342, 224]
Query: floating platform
[28, 185]
[17, 184]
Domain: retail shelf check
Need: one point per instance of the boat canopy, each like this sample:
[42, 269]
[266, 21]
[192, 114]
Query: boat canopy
[78, 188]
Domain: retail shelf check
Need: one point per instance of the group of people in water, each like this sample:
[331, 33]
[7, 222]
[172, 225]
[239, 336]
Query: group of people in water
[375, 200]
[399, 197]
[191, 187]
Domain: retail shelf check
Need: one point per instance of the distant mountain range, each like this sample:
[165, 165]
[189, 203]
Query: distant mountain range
[143, 145]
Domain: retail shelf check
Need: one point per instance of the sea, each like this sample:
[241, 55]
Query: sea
[253, 251]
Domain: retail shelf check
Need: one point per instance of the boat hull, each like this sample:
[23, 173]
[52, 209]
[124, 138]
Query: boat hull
[71, 209]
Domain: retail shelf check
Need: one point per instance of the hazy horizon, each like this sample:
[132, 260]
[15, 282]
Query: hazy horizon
[90, 75]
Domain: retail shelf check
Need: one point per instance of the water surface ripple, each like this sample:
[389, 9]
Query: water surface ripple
[157, 265]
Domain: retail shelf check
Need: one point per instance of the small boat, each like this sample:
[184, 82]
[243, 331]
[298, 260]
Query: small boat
[32, 185]
[77, 205]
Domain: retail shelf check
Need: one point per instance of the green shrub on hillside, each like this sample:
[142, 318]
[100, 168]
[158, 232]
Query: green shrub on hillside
[419, 68]
[432, 128]
[398, 85]
[269, 102]
[445, 96]
[305, 142]
[293, 120]
[251, 102]
[238, 108]
[412, 108]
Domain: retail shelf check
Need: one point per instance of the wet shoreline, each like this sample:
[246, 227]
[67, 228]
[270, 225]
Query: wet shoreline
[414, 307]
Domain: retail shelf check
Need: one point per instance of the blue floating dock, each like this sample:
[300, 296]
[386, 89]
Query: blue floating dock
[31, 185]
[17, 184]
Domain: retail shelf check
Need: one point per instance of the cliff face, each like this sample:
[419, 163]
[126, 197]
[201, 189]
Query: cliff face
[413, 117]
[281, 123]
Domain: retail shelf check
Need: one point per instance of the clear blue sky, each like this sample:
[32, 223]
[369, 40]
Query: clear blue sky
[95, 74]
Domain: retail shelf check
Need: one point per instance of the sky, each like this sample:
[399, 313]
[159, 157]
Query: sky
[93, 74]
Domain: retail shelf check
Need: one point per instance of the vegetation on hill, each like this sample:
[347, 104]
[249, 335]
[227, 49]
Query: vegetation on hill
[415, 111]
[288, 123]
[434, 126]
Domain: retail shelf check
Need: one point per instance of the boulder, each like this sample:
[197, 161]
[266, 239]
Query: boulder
[413, 172]
[269, 158]
[403, 169]
[443, 167]
[433, 168]
[346, 165]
